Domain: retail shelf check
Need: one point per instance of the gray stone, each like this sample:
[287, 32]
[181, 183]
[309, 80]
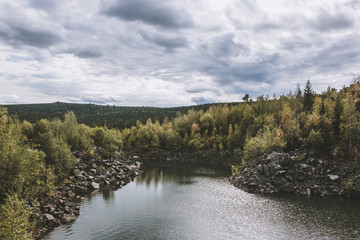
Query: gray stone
[266, 170]
[286, 187]
[76, 172]
[79, 189]
[303, 165]
[70, 194]
[280, 172]
[333, 177]
[49, 217]
[80, 178]
[68, 218]
[95, 185]
[128, 167]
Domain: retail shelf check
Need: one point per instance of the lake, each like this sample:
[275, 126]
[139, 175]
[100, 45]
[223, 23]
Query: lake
[172, 201]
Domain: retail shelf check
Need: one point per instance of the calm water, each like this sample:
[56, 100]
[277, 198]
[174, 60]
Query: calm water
[179, 202]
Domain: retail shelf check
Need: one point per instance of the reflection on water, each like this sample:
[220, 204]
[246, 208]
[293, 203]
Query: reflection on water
[194, 202]
[168, 173]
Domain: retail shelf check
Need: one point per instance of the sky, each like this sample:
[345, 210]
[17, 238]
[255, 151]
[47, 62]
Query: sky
[173, 53]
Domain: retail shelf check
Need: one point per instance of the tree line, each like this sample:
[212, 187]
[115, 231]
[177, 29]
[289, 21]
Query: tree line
[97, 115]
[325, 124]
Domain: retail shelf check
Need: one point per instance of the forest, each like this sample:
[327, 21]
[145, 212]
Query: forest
[97, 115]
[37, 155]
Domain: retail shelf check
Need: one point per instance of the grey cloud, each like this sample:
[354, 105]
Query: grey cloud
[18, 36]
[250, 72]
[202, 100]
[200, 90]
[97, 99]
[88, 54]
[43, 4]
[84, 52]
[170, 43]
[226, 72]
[296, 42]
[267, 26]
[341, 53]
[224, 46]
[355, 4]
[54, 87]
[158, 13]
[45, 76]
[328, 22]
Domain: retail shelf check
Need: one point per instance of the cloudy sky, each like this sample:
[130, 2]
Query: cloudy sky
[172, 53]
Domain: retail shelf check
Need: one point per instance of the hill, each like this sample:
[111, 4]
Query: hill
[98, 115]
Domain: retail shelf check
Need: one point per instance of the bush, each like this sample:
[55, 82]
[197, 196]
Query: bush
[108, 142]
[266, 140]
[315, 141]
[14, 219]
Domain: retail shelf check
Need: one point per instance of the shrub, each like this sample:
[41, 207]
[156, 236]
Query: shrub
[14, 219]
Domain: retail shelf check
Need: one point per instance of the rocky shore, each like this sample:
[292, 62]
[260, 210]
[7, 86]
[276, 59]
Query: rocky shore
[87, 177]
[299, 173]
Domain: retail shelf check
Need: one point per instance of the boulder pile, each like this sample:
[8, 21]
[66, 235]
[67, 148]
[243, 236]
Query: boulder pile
[295, 172]
[87, 177]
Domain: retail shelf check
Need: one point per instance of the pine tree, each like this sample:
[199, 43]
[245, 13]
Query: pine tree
[308, 97]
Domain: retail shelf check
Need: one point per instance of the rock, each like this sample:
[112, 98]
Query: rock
[95, 185]
[66, 218]
[294, 172]
[333, 177]
[70, 194]
[49, 217]
[280, 172]
[76, 172]
[136, 157]
[286, 187]
[259, 168]
[127, 167]
[79, 189]
[303, 165]
[266, 170]
[80, 178]
[93, 171]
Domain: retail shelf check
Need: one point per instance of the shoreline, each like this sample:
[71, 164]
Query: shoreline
[86, 178]
[297, 173]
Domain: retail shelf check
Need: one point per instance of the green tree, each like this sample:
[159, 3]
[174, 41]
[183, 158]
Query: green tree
[58, 154]
[315, 141]
[21, 167]
[308, 97]
[350, 129]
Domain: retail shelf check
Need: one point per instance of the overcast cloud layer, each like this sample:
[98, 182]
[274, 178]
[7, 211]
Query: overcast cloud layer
[172, 53]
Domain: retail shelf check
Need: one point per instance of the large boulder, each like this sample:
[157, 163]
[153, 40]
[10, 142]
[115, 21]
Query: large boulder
[67, 218]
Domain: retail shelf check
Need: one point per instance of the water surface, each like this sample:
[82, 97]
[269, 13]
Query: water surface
[194, 202]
